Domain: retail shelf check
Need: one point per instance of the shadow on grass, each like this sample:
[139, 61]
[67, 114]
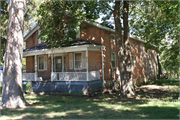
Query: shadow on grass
[165, 82]
[100, 106]
[161, 94]
[150, 103]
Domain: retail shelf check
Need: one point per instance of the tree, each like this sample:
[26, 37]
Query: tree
[4, 20]
[122, 43]
[52, 19]
[153, 21]
[59, 17]
[29, 18]
[170, 58]
[12, 94]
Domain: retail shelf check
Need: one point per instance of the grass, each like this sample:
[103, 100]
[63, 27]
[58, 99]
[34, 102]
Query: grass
[165, 82]
[145, 105]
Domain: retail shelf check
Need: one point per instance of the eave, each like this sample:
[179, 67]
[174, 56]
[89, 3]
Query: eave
[64, 50]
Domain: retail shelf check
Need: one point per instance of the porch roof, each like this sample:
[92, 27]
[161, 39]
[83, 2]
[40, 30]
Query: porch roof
[78, 45]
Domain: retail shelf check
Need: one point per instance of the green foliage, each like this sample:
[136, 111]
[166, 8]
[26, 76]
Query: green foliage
[157, 22]
[28, 22]
[170, 58]
[24, 63]
[59, 20]
[154, 19]
[101, 106]
[0, 87]
[164, 82]
[27, 87]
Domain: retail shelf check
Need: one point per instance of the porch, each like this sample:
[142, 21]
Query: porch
[51, 69]
[66, 82]
[65, 76]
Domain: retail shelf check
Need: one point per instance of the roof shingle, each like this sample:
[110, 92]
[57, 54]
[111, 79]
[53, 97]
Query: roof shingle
[73, 43]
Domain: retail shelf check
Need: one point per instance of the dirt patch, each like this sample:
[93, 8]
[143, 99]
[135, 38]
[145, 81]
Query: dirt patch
[143, 94]
[155, 91]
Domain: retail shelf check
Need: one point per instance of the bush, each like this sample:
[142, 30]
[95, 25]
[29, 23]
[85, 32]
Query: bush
[27, 87]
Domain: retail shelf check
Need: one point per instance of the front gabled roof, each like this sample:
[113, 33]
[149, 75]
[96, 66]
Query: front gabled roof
[36, 27]
[31, 31]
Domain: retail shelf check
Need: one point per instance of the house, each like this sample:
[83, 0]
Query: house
[86, 65]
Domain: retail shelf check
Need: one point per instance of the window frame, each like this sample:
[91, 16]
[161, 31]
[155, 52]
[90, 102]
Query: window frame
[141, 61]
[133, 61]
[71, 60]
[111, 37]
[82, 60]
[39, 39]
[75, 60]
[113, 67]
[44, 63]
[134, 43]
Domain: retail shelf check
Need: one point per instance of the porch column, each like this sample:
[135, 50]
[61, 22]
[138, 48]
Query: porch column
[102, 65]
[51, 66]
[87, 71]
[36, 75]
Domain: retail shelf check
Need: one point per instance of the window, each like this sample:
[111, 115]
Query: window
[84, 60]
[64, 67]
[147, 66]
[80, 60]
[142, 47]
[77, 32]
[42, 63]
[70, 60]
[135, 44]
[112, 37]
[70, 32]
[141, 61]
[133, 62]
[39, 40]
[113, 60]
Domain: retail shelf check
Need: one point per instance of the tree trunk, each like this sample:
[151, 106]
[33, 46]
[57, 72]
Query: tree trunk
[123, 49]
[127, 83]
[118, 35]
[159, 67]
[12, 94]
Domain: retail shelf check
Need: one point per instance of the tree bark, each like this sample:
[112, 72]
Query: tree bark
[127, 83]
[12, 94]
[159, 67]
[118, 36]
[123, 49]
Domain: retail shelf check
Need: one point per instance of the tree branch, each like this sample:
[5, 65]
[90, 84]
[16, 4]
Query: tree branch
[106, 7]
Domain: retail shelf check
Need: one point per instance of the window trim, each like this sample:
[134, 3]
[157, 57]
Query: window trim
[134, 43]
[39, 40]
[133, 61]
[75, 61]
[112, 39]
[83, 67]
[71, 60]
[114, 60]
[141, 61]
[44, 61]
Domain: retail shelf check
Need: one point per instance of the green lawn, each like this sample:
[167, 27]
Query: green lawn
[162, 103]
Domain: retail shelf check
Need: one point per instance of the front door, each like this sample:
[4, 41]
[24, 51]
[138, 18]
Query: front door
[58, 64]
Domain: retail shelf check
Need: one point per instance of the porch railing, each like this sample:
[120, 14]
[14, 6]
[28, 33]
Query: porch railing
[28, 76]
[1, 77]
[75, 76]
[94, 75]
[69, 76]
[65, 76]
